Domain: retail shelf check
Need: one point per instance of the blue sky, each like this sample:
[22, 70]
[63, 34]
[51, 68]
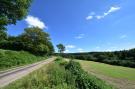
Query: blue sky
[83, 25]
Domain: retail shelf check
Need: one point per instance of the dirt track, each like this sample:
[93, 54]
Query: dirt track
[12, 75]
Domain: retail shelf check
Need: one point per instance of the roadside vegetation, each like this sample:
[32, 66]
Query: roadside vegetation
[30, 46]
[10, 59]
[57, 75]
[33, 40]
[121, 58]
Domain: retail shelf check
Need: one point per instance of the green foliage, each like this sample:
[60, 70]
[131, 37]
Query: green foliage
[59, 59]
[50, 77]
[83, 80]
[9, 59]
[61, 48]
[3, 35]
[33, 40]
[121, 58]
[58, 76]
[55, 76]
[38, 40]
[12, 10]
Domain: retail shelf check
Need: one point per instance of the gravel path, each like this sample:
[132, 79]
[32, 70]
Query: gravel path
[12, 75]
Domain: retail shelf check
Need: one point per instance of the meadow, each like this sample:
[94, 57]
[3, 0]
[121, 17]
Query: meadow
[109, 70]
[118, 76]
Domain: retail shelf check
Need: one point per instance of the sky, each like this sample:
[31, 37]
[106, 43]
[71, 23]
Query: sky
[83, 25]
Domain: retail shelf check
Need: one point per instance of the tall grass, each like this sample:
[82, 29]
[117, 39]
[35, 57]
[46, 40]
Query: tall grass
[9, 59]
[50, 77]
[83, 80]
[57, 76]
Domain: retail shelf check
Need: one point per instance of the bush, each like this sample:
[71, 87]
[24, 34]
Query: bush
[83, 80]
[59, 59]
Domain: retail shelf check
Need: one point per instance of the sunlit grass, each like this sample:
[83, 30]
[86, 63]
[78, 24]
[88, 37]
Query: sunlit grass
[109, 70]
[11, 59]
[58, 75]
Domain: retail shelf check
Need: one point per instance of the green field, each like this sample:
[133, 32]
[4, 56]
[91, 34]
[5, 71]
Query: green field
[109, 70]
[59, 75]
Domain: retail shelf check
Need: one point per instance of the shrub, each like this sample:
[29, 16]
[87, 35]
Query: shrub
[58, 59]
[83, 80]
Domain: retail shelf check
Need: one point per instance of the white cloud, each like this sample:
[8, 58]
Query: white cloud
[66, 51]
[80, 50]
[123, 36]
[80, 36]
[70, 46]
[89, 17]
[111, 10]
[99, 17]
[35, 22]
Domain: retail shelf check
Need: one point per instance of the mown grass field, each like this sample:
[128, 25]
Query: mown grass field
[109, 70]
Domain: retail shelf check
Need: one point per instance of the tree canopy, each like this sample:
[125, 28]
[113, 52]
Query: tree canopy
[12, 10]
[33, 39]
[61, 48]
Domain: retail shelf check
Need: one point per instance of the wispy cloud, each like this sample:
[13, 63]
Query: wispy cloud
[80, 50]
[35, 22]
[70, 46]
[91, 16]
[66, 51]
[123, 36]
[111, 10]
[80, 36]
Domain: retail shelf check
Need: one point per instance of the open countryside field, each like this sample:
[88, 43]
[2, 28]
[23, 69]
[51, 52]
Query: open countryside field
[67, 44]
[59, 75]
[121, 77]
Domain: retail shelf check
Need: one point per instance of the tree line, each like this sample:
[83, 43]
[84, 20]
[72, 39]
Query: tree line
[122, 58]
[33, 40]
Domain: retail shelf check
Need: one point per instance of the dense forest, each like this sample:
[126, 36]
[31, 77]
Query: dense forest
[122, 58]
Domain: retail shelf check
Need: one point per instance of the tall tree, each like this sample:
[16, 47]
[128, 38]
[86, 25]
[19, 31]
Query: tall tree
[61, 48]
[35, 35]
[37, 40]
[12, 10]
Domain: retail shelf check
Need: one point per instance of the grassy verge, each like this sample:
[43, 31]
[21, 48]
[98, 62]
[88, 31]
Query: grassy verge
[59, 75]
[109, 70]
[10, 59]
